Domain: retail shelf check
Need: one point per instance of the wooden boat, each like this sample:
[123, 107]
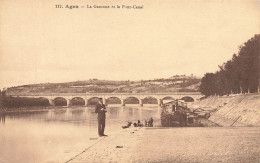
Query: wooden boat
[175, 114]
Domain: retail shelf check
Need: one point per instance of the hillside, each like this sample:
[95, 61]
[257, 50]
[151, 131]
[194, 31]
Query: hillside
[174, 84]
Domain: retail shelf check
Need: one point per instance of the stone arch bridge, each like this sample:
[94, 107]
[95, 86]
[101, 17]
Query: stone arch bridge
[160, 97]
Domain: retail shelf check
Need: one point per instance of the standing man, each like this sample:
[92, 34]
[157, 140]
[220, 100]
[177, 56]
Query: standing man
[101, 111]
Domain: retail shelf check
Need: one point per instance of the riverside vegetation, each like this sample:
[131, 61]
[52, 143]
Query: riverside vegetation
[241, 74]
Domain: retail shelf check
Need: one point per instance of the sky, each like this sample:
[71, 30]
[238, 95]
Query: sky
[40, 43]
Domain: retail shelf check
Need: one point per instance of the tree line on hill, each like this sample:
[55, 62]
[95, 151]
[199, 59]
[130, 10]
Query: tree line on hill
[238, 75]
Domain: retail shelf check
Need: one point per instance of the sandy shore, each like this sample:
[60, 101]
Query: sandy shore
[194, 144]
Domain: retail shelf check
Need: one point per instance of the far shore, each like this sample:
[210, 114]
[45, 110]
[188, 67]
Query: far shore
[34, 109]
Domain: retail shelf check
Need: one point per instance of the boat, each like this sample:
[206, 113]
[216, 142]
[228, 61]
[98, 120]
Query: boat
[175, 114]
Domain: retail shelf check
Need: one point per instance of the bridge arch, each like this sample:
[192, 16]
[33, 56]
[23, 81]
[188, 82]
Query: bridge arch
[60, 101]
[77, 101]
[150, 100]
[168, 98]
[113, 100]
[188, 99]
[44, 101]
[132, 100]
[92, 101]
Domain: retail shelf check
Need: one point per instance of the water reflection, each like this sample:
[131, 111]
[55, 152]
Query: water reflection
[84, 114]
[2, 118]
[52, 135]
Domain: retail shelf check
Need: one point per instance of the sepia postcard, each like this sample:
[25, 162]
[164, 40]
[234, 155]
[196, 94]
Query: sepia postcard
[129, 81]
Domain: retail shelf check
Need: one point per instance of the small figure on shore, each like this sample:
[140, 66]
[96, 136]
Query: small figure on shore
[139, 123]
[135, 124]
[145, 123]
[150, 122]
[101, 111]
[127, 126]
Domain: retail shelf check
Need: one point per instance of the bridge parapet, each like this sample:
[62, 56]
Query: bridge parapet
[102, 94]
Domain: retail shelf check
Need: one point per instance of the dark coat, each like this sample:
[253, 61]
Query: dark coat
[101, 114]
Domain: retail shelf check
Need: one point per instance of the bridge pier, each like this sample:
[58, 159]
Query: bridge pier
[122, 102]
[68, 102]
[86, 102]
[141, 102]
[104, 101]
[160, 102]
[51, 101]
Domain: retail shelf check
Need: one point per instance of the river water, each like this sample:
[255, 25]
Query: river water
[56, 135]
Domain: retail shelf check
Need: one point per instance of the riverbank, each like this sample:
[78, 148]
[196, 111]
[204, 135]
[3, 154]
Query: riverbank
[235, 110]
[28, 110]
[193, 144]
[37, 109]
[23, 110]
